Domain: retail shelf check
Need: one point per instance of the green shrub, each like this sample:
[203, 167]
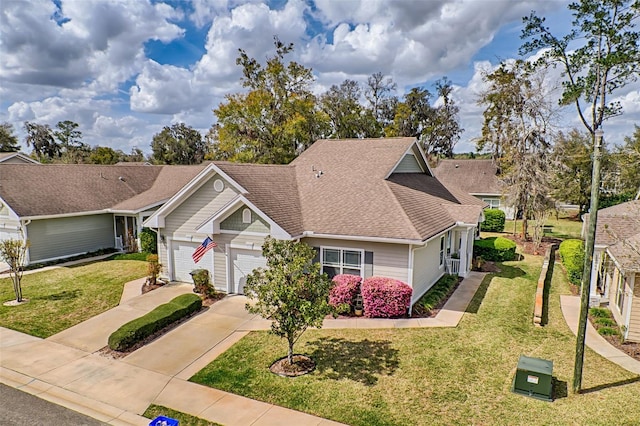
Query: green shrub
[605, 322]
[140, 328]
[202, 282]
[493, 220]
[148, 241]
[608, 331]
[572, 255]
[497, 249]
[130, 256]
[436, 293]
[600, 313]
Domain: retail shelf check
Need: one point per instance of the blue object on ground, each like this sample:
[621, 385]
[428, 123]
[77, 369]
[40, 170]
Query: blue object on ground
[164, 421]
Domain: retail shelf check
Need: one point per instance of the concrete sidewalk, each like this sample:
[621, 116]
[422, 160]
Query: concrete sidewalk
[571, 311]
[66, 368]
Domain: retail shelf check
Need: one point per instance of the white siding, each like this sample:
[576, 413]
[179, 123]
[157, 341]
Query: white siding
[634, 319]
[426, 268]
[201, 205]
[389, 260]
[55, 238]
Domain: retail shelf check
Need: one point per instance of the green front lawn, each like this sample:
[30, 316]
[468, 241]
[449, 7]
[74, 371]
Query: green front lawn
[63, 297]
[154, 411]
[566, 226]
[427, 376]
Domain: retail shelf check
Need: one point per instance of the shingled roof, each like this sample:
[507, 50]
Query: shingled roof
[347, 188]
[617, 223]
[59, 189]
[478, 177]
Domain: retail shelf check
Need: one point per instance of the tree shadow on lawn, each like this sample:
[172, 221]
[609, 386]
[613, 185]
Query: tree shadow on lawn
[505, 272]
[63, 295]
[360, 361]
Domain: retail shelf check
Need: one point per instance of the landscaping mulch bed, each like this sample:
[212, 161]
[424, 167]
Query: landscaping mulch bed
[527, 247]
[302, 364]
[418, 312]
[630, 348]
[206, 302]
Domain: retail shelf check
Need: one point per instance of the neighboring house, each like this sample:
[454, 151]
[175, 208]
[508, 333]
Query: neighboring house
[71, 209]
[16, 158]
[368, 207]
[477, 177]
[615, 272]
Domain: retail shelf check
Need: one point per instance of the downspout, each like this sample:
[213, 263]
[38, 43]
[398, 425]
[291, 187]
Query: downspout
[23, 226]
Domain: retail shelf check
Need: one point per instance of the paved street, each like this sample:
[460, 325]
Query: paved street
[20, 408]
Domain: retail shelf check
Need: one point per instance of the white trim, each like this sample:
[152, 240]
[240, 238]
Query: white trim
[12, 214]
[424, 158]
[410, 268]
[139, 210]
[311, 234]
[246, 216]
[227, 253]
[486, 194]
[276, 230]
[232, 232]
[20, 155]
[411, 151]
[219, 216]
[157, 219]
[341, 249]
[62, 215]
[169, 257]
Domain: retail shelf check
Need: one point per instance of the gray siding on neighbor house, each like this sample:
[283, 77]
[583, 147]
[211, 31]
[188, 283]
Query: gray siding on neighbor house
[53, 238]
[409, 164]
[235, 223]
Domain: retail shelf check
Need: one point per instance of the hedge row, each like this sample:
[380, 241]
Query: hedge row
[385, 297]
[493, 220]
[572, 255]
[344, 291]
[497, 249]
[140, 328]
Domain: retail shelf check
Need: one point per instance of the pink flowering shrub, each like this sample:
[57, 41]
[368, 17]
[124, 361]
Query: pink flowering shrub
[344, 290]
[385, 297]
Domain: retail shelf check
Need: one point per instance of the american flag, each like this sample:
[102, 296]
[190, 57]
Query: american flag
[206, 245]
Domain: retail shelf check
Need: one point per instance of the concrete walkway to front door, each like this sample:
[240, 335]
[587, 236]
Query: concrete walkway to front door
[67, 370]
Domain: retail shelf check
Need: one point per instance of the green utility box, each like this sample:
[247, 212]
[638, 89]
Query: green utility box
[534, 378]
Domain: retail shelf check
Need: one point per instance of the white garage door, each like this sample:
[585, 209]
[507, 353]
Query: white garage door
[243, 263]
[183, 262]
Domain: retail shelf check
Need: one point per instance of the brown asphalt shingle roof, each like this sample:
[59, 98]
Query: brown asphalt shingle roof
[338, 187]
[272, 188]
[57, 189]
[618, 228]
[472, 176]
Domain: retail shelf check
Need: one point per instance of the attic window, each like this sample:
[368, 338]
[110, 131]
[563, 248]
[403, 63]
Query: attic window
[246, 216]
[218, 185]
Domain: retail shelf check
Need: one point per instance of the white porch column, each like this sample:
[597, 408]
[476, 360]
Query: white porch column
[594, 297]
[464, 253]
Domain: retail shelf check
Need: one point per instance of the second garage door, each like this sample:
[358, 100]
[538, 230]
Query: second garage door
[183, 262]
[243, 262]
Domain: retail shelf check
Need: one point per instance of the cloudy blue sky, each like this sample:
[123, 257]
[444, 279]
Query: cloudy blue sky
[124, 69]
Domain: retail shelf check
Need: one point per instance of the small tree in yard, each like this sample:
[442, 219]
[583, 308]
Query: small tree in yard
[291, 291]
[14, 252]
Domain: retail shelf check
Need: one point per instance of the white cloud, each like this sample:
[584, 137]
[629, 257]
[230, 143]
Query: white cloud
[79, 61]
